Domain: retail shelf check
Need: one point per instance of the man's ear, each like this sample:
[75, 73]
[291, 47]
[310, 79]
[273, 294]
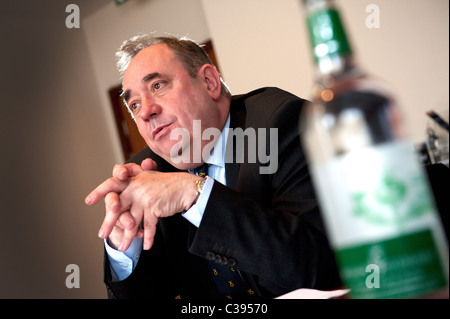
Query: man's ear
[211, 79]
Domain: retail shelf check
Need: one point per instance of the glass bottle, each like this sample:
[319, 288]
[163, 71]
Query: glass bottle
[374, 195]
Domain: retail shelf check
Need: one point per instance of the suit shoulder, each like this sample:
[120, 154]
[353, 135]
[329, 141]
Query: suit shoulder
[266, 95]
[270, 105]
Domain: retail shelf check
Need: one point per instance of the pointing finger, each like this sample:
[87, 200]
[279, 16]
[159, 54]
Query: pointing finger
[108, 186]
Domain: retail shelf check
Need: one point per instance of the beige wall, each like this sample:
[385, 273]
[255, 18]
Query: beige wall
[54, 149]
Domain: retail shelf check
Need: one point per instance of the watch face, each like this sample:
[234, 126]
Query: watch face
[202, 184]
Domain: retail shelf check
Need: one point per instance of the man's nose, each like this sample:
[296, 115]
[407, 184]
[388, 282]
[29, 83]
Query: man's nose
[149, 108]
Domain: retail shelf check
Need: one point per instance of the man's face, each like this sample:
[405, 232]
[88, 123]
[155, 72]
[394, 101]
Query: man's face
[163, 96]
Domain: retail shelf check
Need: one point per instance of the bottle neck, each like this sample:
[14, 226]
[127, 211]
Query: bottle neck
[330, 47]
[336, 65]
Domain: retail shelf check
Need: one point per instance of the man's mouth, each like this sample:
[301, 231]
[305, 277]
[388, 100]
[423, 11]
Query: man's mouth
[160, 130]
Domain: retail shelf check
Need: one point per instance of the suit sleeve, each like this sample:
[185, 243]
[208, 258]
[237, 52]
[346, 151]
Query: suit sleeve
[270, 225]
[148, 279]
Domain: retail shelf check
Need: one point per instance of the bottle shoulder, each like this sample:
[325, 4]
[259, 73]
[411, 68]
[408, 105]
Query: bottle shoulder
[350, 112]
[353, 81]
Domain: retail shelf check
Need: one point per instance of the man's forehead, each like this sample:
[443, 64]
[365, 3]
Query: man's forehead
[148, 60]
[151, 55]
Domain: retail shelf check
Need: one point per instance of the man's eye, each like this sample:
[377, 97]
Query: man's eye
[133, 106]
[157, 86]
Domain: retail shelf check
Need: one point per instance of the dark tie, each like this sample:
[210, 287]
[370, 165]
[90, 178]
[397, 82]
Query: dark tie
[227, 279]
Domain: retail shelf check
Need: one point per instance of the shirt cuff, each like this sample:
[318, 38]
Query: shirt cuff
[195, 214]
[123, 263]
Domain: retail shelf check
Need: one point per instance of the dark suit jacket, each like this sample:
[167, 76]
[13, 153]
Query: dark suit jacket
[267, 226]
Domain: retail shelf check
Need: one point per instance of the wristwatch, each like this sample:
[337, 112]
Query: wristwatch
[200, 184]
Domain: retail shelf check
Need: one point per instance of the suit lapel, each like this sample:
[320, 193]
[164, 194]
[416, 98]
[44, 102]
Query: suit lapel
[232, 173]
[237, 119]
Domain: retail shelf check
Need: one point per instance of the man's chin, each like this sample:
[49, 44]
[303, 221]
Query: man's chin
[183, 166]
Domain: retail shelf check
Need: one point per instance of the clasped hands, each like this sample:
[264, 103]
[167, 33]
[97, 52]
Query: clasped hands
[137, 193]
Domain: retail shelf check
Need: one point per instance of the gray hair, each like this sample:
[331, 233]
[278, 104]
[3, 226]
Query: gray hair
[191, 54]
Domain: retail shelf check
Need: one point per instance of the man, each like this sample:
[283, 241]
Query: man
[167, 230]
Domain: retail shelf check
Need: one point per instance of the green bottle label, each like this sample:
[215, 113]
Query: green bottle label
[327, 34]
[382, 222]
[402, 267]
